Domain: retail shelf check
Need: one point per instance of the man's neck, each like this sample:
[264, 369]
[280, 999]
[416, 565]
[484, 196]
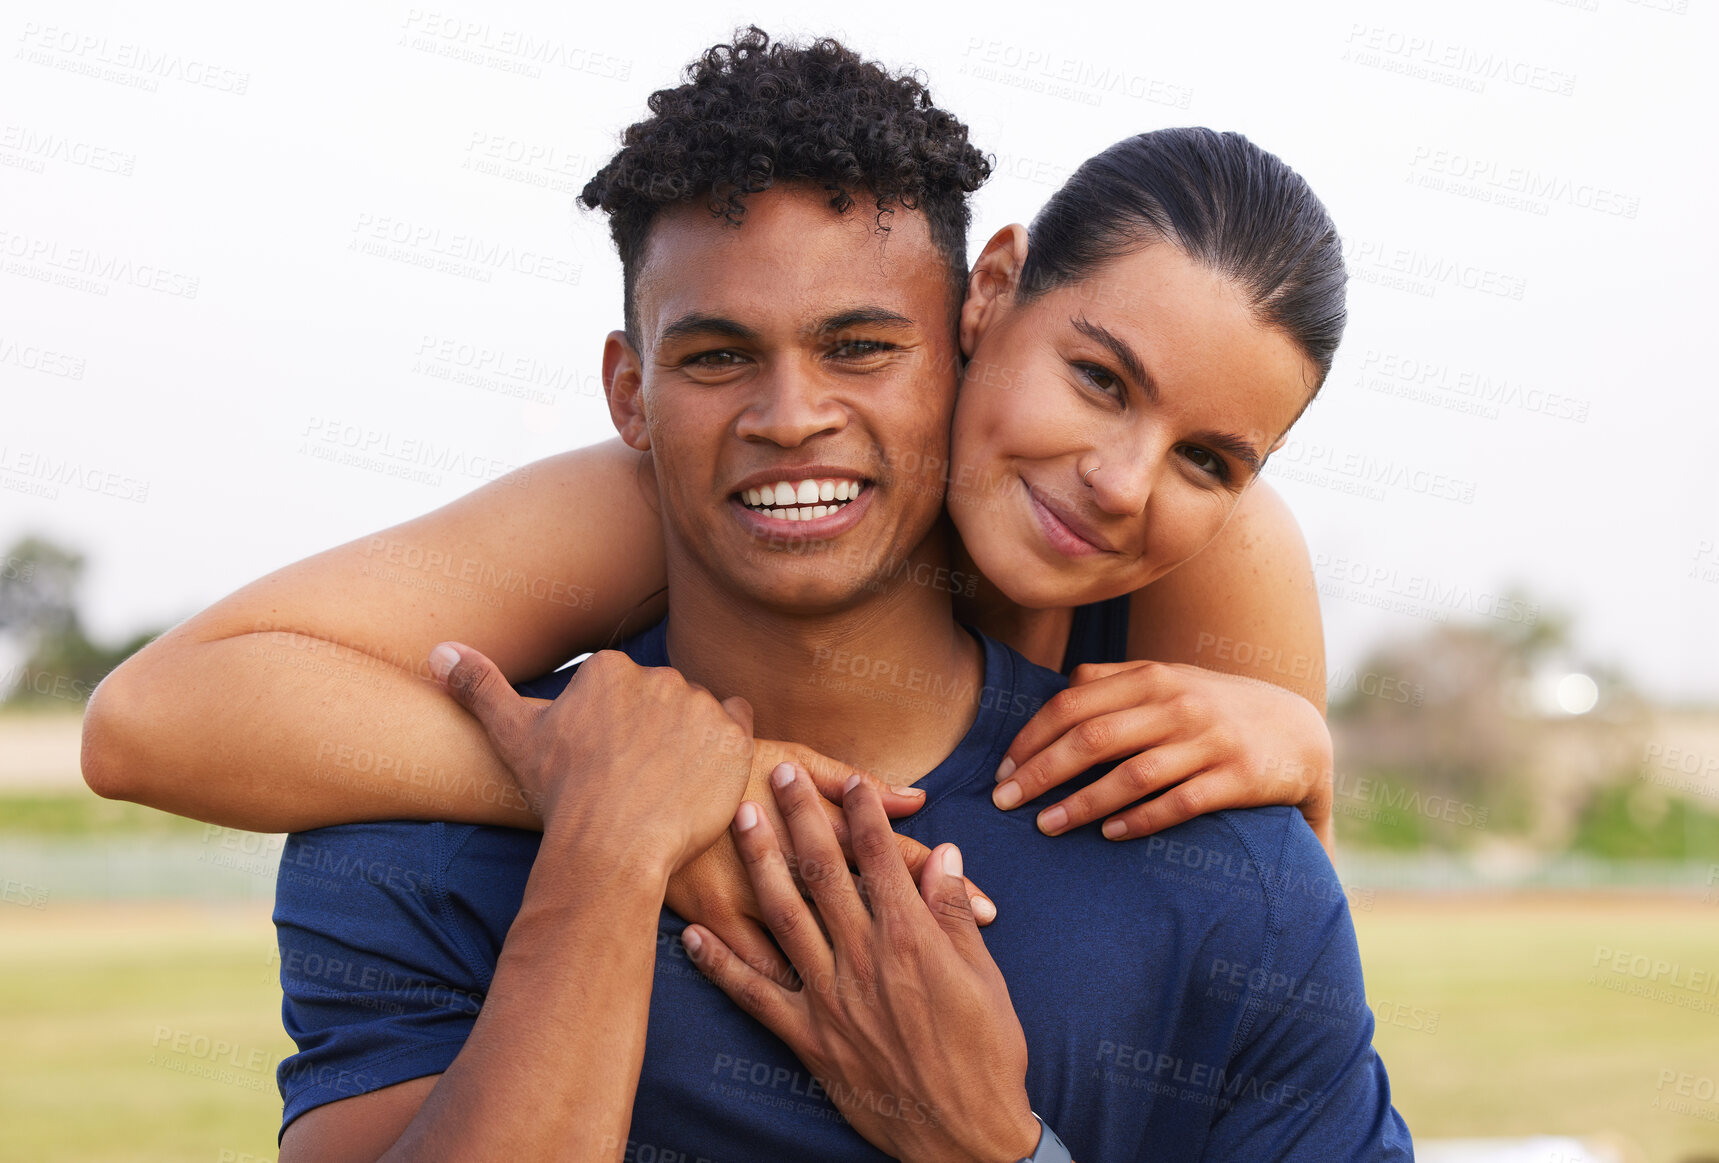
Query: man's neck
[889, 683]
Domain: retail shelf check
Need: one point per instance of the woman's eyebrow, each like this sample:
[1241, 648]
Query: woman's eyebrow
[1124, 354]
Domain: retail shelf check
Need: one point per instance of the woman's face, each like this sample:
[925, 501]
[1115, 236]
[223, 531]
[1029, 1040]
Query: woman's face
[1105, 431]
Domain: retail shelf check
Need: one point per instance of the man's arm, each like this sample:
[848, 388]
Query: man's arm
[1305, 1084]
[551, 1063]
[553, 1059]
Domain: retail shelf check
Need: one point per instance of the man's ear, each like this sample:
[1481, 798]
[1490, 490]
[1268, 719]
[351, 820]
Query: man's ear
[995, 278]
[623, 376]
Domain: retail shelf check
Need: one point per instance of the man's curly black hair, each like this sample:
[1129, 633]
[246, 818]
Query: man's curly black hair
[755, 112]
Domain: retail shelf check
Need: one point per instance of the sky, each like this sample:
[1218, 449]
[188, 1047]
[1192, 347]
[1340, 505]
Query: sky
[274, 279]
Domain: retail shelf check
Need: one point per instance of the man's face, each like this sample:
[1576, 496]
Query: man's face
[807, 353]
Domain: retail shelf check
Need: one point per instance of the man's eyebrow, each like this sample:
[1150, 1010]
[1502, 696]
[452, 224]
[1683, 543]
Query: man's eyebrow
[1124, 354]
[863, 317]
[699, 323]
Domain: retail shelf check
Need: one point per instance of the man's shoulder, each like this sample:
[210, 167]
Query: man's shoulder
[1266, 861]
[421, 866]
[647, 648]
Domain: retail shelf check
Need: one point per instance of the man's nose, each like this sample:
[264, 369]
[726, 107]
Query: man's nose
[791, 405]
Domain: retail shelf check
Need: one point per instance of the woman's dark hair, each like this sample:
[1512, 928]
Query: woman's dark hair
[754, 113]
[1226, 204]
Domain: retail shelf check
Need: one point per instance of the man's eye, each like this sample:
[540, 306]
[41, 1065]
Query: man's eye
[1100, 379]
[713, 359]
[859, 348]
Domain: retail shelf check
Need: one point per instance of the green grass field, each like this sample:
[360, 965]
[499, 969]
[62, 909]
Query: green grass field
[150, 1032]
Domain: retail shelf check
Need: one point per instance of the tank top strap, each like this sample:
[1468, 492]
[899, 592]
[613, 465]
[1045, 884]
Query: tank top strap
[1099, 633]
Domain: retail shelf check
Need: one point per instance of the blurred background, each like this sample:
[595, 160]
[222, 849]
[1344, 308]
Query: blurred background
[271, 279]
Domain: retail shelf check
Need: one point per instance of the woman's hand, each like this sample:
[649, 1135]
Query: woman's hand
[1206, 740]
[888, 991]
[714, 891]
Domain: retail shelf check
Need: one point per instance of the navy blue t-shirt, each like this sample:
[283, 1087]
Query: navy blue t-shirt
[1192, 995]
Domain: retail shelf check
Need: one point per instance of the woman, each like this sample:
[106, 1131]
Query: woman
[1131, 361]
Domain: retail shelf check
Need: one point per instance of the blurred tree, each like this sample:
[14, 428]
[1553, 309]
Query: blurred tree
[39, 583]
[1463, 713]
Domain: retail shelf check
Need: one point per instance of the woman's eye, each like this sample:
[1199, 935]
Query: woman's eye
[1101, 379]
[1205, 460]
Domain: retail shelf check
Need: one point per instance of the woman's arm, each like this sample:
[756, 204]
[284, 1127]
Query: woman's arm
[1223, 705]
[304, 700]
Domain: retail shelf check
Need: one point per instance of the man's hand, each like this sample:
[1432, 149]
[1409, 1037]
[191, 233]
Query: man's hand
[628, 756]
[889, 991]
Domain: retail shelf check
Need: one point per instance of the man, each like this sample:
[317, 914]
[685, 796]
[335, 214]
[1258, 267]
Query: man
[1195, 995]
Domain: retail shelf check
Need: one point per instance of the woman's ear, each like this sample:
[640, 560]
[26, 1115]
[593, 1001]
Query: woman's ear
[995, 277]
[623, 376]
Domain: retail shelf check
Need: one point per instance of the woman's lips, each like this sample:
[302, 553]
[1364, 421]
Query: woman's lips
[1064, 532]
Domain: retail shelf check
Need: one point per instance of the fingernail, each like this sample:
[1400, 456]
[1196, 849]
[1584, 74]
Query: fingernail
[1053, 820]
[746, 818]
[853, 782]
[1115, 829]
[916, 792]
[783, 775]
[443, 659]
[1005, 769]
[952, 861]
[1007, 795]
[691, 939]
[983, 910]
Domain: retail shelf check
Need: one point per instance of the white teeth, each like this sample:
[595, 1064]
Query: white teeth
[803, 501]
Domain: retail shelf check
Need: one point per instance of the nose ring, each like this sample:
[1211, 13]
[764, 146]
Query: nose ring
[1086, 474]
